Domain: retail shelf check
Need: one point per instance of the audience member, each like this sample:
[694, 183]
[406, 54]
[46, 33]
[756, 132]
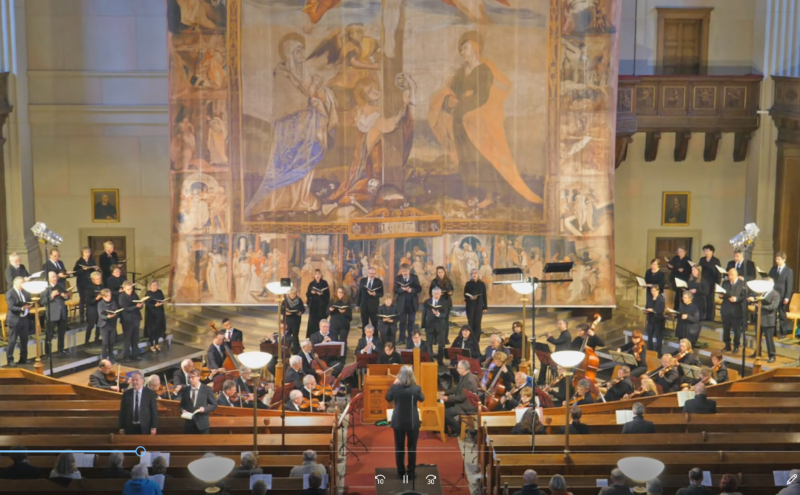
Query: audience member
[259, 488]
[159, 466]
[700, 404]
[114, 469]
[576, 427]
[530, 487]
[695, 484]
[309, 466]
[248, 466]
[65, 467]
[558, 485]
[654, 487]
[729, 485]
[20, 469]
[139, 484]
[794, 487]
[524, 425]
[638, 424]
[314, 484]
[617, 486]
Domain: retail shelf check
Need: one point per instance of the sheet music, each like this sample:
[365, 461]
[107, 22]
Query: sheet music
[624, 416]
[334, 344]
[158, 479]
[706, 478]
[721, 270]
[681, 283]
[642, 282]
[718, 289]
[685, 395]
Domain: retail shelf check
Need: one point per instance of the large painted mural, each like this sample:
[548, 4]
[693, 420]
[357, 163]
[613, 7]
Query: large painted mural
[341, 135]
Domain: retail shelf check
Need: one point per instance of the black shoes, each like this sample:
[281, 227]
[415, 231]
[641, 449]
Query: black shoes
[727, 348]
[771, 359]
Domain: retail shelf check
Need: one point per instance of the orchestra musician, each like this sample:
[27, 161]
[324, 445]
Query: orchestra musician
[654, 309]
[514, 341]
[647, 388]
[689, 320]
[18, 320]
[719, 367]
[323, 336]
[83, 269]
[406, 289]
[476, 302]
[637, 349]
[434, 321]
[294, 374]
[92, 297]
[155, 321]
[389, 356]
[231, 334]
[582, 395]
[180, 378]
[784, 286]
[131, 319]
[418, 343]
[706, 378]
[368, 298]
[512, 397]
[498, 365]
[340, 314]
[621, 387]
[369, 343]
[562, 343]
[667, 375]
[495, 346]
[711, 277]
[593, 341]
[699, 290]
[556, 388]
[525, 398]
[466, 342]
[153, 382]
[216, 352]
[56, 296]
[655, 276]
[293, 309]
[731, 311]
[680, 268]
[228, 397]
[108, 259]
[387, 320]
[318, 295]
[309, 384]
[455, 399]
[107, 323]
[771, 302]
[294, 401]
[15, 269]
[306, 350]
[245, 374]
[98, 378]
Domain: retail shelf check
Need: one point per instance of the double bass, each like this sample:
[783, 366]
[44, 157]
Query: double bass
[495, 390]
[230, 366]
[591, 363]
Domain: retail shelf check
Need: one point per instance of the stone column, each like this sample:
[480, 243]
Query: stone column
[17, 163]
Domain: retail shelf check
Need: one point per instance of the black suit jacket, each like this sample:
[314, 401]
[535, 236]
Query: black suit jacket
[12, 273]
[308, 369]
[236, 335]
[376, 341]
[769, 308]
[15, 307]
[131, 316]
[732, 309]
[205, 399]
[179, 378]
[296, 377]
[691, 325]
[222, 400]
[105, 261]
[407, 300]
[291, 406]
[784, 283]
[423, 347]
[432, 322]
[638, 425]
[216, 358]
[488, 353]
[148, 411]
[471, 344]
[20, 471]
[49, 266]
[405, 415]
[364, 300]
[700, 405]
[751, 269]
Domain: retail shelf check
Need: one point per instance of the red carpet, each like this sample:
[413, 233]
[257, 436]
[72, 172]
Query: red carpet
[360, 477]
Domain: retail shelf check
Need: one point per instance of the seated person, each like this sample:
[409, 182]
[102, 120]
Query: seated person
[295, 401]
[524, 426]
[65, 467]
[667, 375]
[114, 469]
[309, 384]
[585, 333]
[638, 350]
[308, 466]
[525, 398]
[314, 484]
[98, 377]
[576, 427]
[582, 395]
[705, 378]
[685, 355]
[511, 399]
[417, 342]
[497, 373]
[557, 388]
[249, 464]
[719, 367]
[389, 356]
[695, 484]
[228, 397]
[158, 466]
[455, 398]
[466, 342]
[700, 404]
[495, 345]
[515, 340]
[638, 424]
[369, 343]
[647, 388]
[20, 469]
[139, 484]
[621, 387]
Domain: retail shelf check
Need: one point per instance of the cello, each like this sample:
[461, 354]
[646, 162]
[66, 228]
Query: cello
[590, 364]
[495, 390]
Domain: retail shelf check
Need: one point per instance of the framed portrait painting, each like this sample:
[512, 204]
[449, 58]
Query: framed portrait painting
[675, 208]
[105, 205]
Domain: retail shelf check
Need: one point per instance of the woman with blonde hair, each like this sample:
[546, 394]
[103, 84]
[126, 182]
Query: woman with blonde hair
[65, 467]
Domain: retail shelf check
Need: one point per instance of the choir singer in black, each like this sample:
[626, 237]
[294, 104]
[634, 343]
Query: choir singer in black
[784, 285]
[406, 288]
[370, 291]
[406, 394]
[476, 302]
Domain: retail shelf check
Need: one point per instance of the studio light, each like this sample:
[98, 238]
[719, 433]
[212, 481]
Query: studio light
[41, 231]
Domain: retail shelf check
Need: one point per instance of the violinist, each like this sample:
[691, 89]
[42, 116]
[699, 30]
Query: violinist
[685, 355]
[620, 386]
[582, 395]
[719, 367]
[585, 332]
[476, 302]
[245, 375]
[466, 342]
[217, 352]
[455, 398]
[294, 402]
[637, 349]
[556, 388]
[318, 295]
[667, 376]
[647, 388]
[654, 309]
[369, 343]
[309, 384]
[306, 355]
[293, 309]
[689, 320]
[495, 346]
[340, 314]
[295, 372]
[498, 366]
[389, 356]
[100, 377]
[180, 378]
[387, 320]
[512, 397]
[154, 384]
[229, 396]
[705, 378]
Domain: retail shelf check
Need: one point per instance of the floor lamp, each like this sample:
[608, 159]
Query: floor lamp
[256, 361]
[527, 289]
[640, 470]
[34, 288]
[280, 289]
[567, 360]
[210, 470]
[760, 287]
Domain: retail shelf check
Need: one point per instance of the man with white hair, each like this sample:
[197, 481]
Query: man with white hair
[114, 469]
[309, 466]
[295, 399]
[15, 269]
[495, 345]
[305, 354]
[181, 376]
[138, 411]
[295, 372]
[531, 486]
[455, 398]
[309, 384]
[139, 484]
[18, 321]
[434, 321]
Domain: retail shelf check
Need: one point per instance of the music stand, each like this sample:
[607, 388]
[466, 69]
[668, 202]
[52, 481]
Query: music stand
[474, 365]
[691, 372]
[623, 358]
[362, 361]
[456, 354]
[407, 356]
[353, 437]
[346, 373]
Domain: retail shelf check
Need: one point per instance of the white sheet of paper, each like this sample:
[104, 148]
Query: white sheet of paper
[36, 275]
[147, 458]
[685, 395]
[706, 478]
[158, 479]
[721, 270]
[390, 411]
[266, 477]
[781, 477]
[718, 289]
[322, 486]
[602, 483]
[681, 283]
[83, 460]
[641, 281]
[624, 416]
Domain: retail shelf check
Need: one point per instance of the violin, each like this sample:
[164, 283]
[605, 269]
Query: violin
[716, 367]
[166, 390]
[552, 384]
[113, 376]
[576, 399]
[309, 404]
[327, 391]
[636, 393]
[613, 382]
[637, 350]
[666, 370]
[682, 355]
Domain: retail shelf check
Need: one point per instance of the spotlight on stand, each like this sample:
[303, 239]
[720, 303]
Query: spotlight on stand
[743, 241]
[210, 470]
[46, 235]
[640, 470]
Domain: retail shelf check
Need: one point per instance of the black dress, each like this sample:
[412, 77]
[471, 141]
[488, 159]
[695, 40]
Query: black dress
[656, 278]
[655, 322]
[711, 277]
[475, 307]
[90, 296]
[387, 330]
[155, 322]
[296, 309]
[318, 295]
[340, 321]
[700, 295]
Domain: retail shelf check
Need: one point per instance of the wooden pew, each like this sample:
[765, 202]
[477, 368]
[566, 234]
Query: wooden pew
[765, 389]
[37, 392]
[177, 486]
[730, 405]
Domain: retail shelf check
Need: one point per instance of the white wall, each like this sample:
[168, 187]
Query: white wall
[730, 38]
[98, 111]
[717, 199]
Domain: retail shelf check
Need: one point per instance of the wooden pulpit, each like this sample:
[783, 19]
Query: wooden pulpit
[377, 382]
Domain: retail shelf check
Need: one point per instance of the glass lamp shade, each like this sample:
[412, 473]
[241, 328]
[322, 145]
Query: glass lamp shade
[640, 469]
[211, 469]
[760, 286]
[524, 288]
[255, 360]
[568, 359]
[278, 289]
[34, 286]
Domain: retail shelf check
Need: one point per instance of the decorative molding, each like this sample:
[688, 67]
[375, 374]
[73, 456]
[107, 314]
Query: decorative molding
[59, 74]
[621, 151]
[143, 115]
[651, 146]
[711, 146]
[785, 109]
[681, 145]
[741, 144]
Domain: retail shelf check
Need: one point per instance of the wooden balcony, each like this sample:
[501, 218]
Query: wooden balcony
[712, 105]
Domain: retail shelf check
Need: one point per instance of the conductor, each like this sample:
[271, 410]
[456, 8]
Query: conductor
[405, 393]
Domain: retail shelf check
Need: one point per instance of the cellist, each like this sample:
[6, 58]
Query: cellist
[496, 374]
